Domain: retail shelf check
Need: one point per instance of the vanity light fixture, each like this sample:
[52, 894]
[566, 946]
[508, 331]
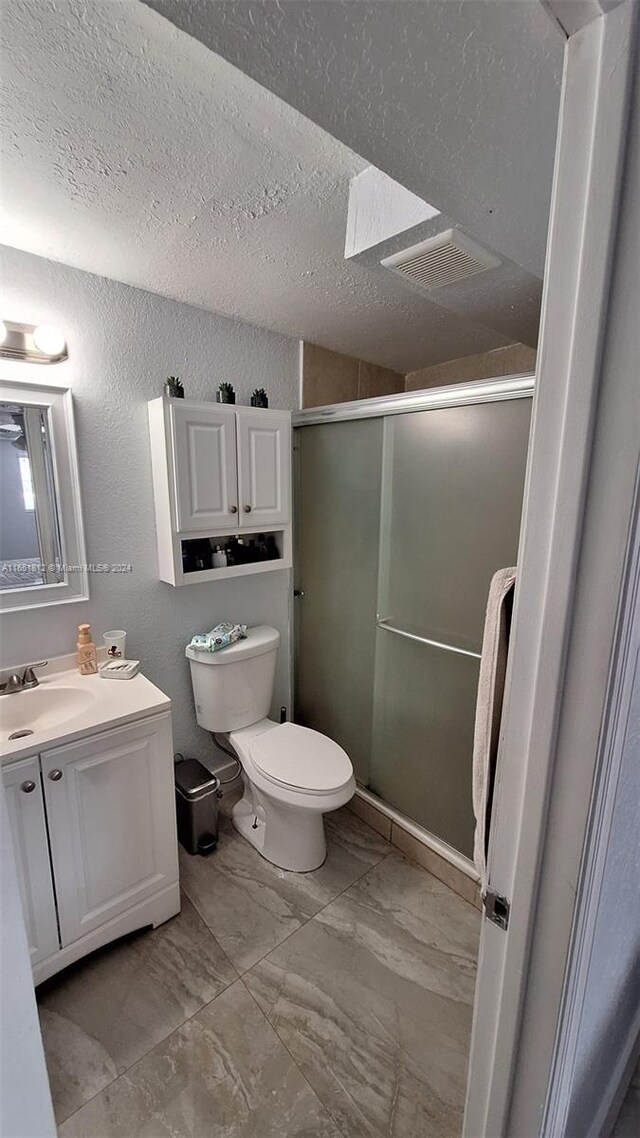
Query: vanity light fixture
[49, 340]
[36, 344]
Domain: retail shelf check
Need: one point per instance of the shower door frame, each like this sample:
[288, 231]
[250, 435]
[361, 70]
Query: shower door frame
[467, 393]
[519, 386]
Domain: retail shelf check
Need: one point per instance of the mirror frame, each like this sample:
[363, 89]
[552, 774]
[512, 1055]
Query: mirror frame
[58, 403]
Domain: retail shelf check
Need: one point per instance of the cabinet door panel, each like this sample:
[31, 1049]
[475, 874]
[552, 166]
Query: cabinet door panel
[29, 833]
[204, 447]
[264, 464]
[111, 817]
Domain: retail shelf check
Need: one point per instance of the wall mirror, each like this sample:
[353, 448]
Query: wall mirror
[42, 553]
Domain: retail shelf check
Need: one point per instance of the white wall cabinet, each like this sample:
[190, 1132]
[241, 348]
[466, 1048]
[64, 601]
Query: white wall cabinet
[264, 446]
[205, 465]
[108, 803]
[219, 471]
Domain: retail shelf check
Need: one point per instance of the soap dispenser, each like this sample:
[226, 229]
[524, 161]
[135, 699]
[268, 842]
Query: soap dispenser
[87, 654]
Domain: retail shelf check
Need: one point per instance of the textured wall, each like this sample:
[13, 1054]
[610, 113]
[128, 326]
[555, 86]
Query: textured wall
[330, 377]
[485, 365]
[122, 344]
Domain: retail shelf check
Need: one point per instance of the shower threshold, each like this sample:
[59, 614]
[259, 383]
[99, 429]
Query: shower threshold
[444, 862]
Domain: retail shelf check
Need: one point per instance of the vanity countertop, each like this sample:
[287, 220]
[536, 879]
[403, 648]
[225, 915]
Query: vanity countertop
[66, 706]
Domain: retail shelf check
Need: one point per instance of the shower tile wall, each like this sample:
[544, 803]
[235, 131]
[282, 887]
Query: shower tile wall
[330, 377]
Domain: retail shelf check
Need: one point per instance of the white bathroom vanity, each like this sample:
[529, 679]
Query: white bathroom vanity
[91, 810]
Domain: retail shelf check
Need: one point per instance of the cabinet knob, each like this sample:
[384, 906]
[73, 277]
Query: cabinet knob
[55, 776]
[233, 509]
[247, 509]
[28, 785]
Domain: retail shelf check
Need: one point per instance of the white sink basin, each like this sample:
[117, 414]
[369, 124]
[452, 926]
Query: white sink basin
[67, 706]
[42, 708]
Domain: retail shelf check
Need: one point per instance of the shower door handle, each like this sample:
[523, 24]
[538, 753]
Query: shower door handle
[298, 592]
[385, 624]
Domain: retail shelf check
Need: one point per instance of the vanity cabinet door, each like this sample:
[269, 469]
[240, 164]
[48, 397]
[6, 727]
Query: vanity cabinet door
[264, 468]
[111, 810]
[29, 834]
[205, 473]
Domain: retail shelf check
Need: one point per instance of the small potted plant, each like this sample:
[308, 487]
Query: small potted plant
[225, 393]
[173, 389]
[259, 398]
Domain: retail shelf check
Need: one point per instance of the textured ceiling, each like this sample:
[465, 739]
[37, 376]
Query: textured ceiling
[455, 99]
[132, 151]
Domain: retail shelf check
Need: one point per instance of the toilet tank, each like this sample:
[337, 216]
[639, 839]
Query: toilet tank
[233, 688]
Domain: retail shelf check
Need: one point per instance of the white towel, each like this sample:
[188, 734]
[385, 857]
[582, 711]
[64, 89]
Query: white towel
[493, 666]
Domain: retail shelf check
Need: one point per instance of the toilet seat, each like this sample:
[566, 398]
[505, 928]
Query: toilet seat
[297, 757]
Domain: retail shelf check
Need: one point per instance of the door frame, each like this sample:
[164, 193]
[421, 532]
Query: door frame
[580, 500]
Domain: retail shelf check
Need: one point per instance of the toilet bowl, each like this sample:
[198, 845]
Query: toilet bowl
[292, 775]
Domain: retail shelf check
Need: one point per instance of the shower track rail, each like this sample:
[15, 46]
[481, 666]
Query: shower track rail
[431, 399]
[384, 624]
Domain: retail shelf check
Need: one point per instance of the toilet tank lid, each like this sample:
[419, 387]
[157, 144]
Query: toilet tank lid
[258, 640]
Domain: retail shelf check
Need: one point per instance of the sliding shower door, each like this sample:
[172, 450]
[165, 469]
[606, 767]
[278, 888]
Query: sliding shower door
[453, 482]
[401, 522]
[337, 531]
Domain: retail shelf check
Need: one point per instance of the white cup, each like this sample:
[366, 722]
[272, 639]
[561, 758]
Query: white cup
[114, 643]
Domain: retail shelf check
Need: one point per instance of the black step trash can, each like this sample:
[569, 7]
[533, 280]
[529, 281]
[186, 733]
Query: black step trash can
[196, 806]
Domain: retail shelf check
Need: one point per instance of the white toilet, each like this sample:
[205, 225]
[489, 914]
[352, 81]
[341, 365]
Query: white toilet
[292, 776]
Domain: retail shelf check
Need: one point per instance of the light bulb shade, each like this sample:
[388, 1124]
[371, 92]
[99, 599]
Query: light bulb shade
[49, 340]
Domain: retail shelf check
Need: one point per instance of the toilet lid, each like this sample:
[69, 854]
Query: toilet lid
[304, 759]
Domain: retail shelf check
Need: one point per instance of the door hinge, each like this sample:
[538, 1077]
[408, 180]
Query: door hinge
[497, 909]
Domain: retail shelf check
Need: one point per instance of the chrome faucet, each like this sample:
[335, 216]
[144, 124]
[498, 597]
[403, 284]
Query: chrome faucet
[17, 683]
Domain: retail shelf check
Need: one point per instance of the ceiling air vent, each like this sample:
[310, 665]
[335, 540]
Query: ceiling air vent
[442, 260]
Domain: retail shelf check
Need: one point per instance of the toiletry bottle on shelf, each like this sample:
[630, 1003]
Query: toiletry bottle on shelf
[273, 553]
[219, 558]
[86, 654]
[231, 551]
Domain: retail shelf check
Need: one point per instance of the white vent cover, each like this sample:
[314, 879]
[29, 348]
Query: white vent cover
[445, 259]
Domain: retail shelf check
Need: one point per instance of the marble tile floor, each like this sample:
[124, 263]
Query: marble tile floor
[334, 1004]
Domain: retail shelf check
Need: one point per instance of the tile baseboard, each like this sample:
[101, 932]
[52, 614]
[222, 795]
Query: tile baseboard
[460, 882]
[371, 815]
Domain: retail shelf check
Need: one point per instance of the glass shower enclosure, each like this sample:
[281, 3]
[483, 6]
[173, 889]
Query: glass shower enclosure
[404, 510]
